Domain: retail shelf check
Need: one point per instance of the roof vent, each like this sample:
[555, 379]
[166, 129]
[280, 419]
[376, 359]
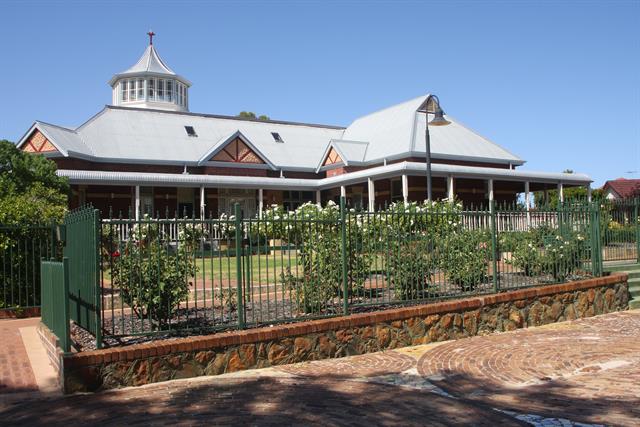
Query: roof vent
[190, 131]
[276, 137]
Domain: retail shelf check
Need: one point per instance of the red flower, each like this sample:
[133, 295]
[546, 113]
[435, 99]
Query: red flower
[115, 254]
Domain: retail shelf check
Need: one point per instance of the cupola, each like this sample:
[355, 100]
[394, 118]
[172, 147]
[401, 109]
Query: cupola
[150, 83]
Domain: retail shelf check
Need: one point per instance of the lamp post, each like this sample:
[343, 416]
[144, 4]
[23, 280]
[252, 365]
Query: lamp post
[438, 120]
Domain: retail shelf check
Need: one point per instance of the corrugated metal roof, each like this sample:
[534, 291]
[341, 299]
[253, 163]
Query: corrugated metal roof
[137, 135]
[380, 172]
[149, 63]
[400, 131]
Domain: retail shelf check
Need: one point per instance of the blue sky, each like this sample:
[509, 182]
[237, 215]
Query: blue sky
[557, 83]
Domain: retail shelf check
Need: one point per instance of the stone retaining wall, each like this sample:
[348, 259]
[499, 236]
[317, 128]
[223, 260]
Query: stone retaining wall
[341, 336]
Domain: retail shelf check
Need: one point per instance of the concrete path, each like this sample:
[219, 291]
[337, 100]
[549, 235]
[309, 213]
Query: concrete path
[24, 365]
[585, 372]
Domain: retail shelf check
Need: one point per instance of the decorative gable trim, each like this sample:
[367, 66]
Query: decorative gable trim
[332, 158]
[38, 143]
[36, 140]
[236, 149]
[237, 152]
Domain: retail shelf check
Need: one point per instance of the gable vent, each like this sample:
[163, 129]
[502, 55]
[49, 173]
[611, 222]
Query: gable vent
[276, 137]
[190, 131]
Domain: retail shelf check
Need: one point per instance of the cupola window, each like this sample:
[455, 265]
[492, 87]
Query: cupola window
[150, 84]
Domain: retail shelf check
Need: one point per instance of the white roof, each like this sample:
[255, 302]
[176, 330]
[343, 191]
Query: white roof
[399, 131]
[141, 135]
[149, 63]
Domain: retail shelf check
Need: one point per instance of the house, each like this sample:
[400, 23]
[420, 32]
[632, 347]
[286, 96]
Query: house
[621, 188]
[146, 152]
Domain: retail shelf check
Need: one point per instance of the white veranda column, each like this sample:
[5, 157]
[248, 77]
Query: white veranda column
[405, 188]
[202, 202]
[137, 204]
[589, 193]
[490, 191]
[560, 192]
[318, 198]
[371, 190]
[343, 191]
[527, 202]
[450, 183]
[260, 202]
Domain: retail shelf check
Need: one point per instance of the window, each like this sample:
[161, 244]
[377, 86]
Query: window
[169, 95]
[276, 137]
[160, 89]
[140, 89]
[125, 93]
[396, 191]
[293, 199]
[132, 90]
[151, 87]
[190, 131]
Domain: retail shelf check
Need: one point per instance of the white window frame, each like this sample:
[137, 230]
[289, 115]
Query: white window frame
[124, 91]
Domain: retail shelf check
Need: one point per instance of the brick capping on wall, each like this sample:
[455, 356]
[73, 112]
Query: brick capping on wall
[262, 334]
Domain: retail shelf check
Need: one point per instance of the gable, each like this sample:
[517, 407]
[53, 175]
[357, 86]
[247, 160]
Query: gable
[237, 152]
[38, 143]
[332, 158]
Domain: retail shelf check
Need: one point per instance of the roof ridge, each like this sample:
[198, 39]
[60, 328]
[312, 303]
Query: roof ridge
[57, 126]
[224, 117]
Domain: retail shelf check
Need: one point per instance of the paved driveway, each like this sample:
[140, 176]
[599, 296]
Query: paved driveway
[585, 371]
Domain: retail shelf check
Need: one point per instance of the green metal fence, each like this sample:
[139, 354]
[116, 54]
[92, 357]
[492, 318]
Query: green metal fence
[21, 248]
[55, 299]
[620, 230]
[159, 276]
[82, 248]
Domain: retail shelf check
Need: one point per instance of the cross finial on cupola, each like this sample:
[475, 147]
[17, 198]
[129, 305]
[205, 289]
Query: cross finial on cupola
[151, 34]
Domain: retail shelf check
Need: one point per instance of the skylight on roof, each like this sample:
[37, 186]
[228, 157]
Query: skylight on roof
[276, 137]
[190, 131]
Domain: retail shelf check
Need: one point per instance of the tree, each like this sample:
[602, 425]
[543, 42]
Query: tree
[31, 190]
[252, 115]
[32, 194]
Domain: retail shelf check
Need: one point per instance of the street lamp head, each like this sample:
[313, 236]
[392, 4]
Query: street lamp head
[438, 119]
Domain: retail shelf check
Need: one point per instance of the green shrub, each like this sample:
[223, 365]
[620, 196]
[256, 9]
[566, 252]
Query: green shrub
[464, 258]
[410, 267]
[526, 256]
[153, 279]
[547, 251]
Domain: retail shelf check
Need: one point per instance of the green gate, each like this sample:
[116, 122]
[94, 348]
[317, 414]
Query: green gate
[620, 230]
[54, 277]
[82, 245]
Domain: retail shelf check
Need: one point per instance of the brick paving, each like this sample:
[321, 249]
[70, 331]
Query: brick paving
[16, 375]
[585, 371]
[367, 365]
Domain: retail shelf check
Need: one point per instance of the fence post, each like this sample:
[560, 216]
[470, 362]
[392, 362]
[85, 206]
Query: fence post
[239, 287]
[596, 241]
[53, 239]
[636, 202]
[494, 245]
[343, 255]
[98, 291]
[66, 335]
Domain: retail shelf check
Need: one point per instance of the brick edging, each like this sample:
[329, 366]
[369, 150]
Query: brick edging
[19, 313]
[231, 338]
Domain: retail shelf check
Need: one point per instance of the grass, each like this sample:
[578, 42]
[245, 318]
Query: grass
[264, 268]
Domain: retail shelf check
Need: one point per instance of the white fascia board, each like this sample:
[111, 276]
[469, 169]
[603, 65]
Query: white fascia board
[120, 76]
[381, 172]
[223, 143]
[185, 180]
